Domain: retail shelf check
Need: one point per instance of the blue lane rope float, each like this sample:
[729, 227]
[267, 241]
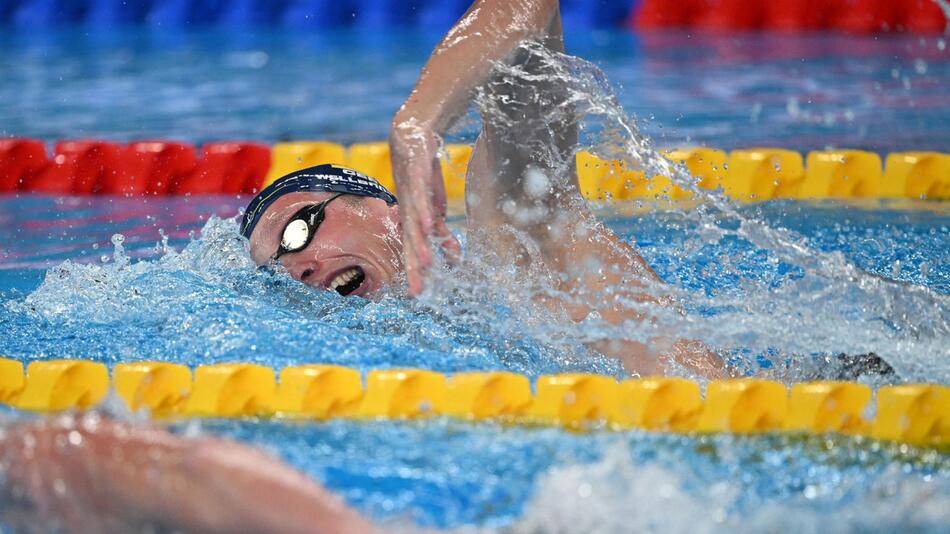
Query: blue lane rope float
[918, 16]
[917, 414]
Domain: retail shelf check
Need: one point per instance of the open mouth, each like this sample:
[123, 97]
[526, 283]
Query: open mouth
[348, 281]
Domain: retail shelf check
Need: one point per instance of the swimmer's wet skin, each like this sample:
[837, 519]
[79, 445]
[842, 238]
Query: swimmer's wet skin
[329, 226]
[90, 474]
[359, 255]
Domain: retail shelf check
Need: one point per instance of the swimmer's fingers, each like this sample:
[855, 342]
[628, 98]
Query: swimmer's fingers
[259, 493]
[418, 178]
[450, 244]
[416, 252]
[439, 230]
[415, 212]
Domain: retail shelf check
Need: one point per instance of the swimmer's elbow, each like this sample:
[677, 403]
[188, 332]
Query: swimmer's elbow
[541, 6]
[410, 123]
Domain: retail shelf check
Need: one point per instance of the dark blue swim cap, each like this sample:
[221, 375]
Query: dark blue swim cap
[322, 178]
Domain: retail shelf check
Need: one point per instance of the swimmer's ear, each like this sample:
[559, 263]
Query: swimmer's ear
[258, 256]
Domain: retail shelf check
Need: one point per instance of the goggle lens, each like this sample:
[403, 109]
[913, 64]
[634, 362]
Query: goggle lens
[295, 235]
[300, 230]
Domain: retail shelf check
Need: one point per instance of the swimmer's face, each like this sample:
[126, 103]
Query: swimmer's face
[356, 250]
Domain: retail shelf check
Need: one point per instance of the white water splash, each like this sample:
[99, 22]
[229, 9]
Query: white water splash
[835, 307]
[108, 291]
[619, 495]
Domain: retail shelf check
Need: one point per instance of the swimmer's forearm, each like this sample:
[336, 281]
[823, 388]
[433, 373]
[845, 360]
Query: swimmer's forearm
[662, 356]
[93, 474]
[488, 32]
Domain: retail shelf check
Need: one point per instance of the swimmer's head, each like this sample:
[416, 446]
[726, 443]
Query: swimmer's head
[330, 227]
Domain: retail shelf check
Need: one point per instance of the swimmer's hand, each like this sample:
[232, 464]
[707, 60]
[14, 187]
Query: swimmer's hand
[414, 150]
[486, 34]
[96, 475]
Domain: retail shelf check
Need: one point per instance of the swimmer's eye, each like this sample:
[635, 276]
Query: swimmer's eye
[295, 235]
[299, 231]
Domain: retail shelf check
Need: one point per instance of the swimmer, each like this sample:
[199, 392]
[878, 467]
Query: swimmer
[337, 229]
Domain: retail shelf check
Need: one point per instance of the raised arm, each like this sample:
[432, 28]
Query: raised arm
[96, 475]
[522, 177]
[489, 32]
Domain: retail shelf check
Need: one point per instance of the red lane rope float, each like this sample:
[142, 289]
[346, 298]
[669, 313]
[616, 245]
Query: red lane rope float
[20, 160]
[89, 167]
[229, 168]
[159, 166]
[80, 167]
[854, 16]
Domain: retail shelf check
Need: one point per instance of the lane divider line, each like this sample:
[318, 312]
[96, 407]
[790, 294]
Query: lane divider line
[85, 167]
[917, 414]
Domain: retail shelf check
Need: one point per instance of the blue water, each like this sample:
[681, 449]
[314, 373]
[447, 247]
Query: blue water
[197, 300]
[806, 92]
[69, 288]
[155, 301]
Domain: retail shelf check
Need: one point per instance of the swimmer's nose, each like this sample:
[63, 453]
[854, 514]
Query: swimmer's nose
[302, 270]
[308, 265]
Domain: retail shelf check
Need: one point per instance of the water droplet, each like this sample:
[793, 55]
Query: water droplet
[584, 490]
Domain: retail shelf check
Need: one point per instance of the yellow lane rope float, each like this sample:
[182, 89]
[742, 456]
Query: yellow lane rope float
[753, 174]
[917, 414]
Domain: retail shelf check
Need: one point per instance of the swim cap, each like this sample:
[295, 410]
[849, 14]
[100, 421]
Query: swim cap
[322, 178]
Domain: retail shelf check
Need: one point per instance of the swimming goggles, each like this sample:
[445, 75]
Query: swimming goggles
[300, 229]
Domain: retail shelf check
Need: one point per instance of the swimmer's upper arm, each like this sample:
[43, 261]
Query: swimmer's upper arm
[488, 32]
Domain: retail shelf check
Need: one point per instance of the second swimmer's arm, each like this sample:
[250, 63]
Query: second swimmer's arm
[98, 475]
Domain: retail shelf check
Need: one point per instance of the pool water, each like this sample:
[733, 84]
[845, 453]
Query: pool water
[804, 92]
[196, 299]
[65, 270]
[778, 287]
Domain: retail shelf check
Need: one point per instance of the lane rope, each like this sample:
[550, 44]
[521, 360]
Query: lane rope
[917, 414]
[918, 16]
[243, 168]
